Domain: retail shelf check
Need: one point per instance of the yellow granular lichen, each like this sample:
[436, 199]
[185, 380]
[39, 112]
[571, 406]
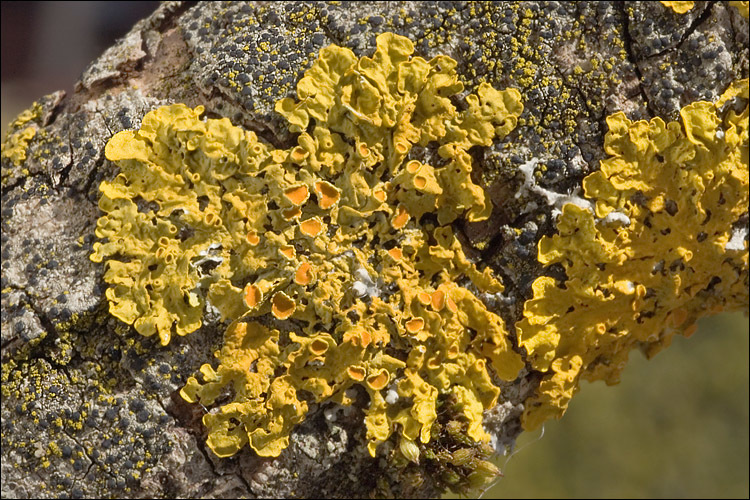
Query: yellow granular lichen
[658, 252]
[342, 244]
[17, 139]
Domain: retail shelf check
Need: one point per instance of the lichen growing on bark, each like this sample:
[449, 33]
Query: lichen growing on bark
[654, 252]
[345, 235]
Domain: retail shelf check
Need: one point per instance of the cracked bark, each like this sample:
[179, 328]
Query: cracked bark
[55, 328]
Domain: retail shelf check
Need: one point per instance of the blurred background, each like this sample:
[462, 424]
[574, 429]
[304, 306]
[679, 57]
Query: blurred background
[47, 45]
[675, 427]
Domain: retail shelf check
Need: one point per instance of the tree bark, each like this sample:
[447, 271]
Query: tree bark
[88, 412]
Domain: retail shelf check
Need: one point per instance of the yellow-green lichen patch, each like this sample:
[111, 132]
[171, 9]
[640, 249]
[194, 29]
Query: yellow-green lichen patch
[658, 253]
[679, 7]
[174, 212]
[343, 240]
[19, 135]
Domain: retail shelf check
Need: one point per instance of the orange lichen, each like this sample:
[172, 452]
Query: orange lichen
[298, 155]
[438, 300]
[356, 372]
[380, 195]
[414, 325]
[282, 306]
[318, 347]
[288, 252]
[304, 275]
[253, 238]
[401, 218]
[378, 380]
[253, 296]
[396, 253]
[452, 307]
[413, 166]
[298, 195]
[311, 227]
[425, 298]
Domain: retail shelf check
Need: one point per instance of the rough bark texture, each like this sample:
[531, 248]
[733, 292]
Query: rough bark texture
[91, 409]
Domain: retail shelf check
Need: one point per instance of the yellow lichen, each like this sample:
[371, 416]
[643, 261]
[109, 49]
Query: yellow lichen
[166, 217]
[679, 7]
[658, 252]
[14, 147]
[17, 140]
[329, 235]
